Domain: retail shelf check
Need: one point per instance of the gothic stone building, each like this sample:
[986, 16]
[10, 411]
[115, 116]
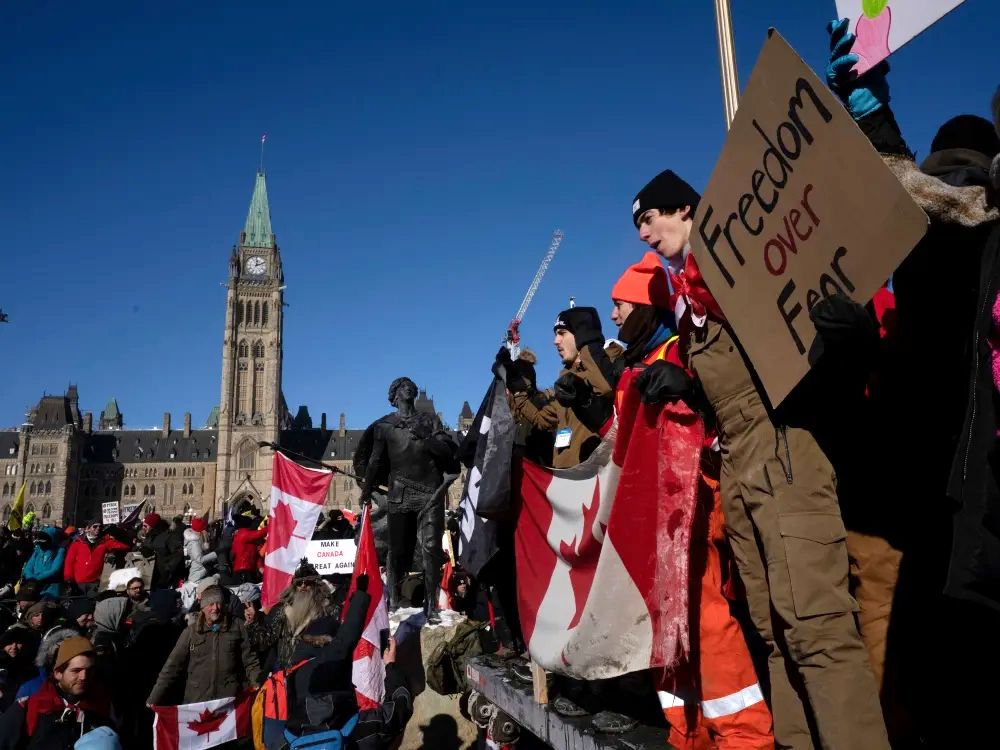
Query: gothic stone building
[72, 471]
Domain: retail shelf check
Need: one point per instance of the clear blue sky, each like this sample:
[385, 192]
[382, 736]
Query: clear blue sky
[419, 156]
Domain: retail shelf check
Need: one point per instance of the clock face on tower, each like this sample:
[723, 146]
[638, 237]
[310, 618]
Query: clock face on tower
[256, 266]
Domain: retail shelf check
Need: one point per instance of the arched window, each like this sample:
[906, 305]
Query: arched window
[6, 514]
[6, 489]
[239, 312]
[46, 510]
[263, 319]
[29, 508]
[190, 489]
[256, 313]
[32, 489]
[248, 455]
[48, 488]
[258, 349]
[184, 489]
[152, 490]
[145, 489]
[243, 349]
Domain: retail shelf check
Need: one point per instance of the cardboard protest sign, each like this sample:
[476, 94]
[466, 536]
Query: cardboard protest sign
[332, 555]
[799, 205]
[883, 26]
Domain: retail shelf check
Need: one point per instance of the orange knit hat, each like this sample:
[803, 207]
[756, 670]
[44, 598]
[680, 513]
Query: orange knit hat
[644, 283]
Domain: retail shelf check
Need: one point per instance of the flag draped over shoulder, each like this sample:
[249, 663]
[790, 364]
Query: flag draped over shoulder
[489, 444]
[368, 672]
[297, 497]
[17, 510]
[603, 548]
[196, 726]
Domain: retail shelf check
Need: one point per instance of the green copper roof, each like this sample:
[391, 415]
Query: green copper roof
[111, 410]
[213, 418]
[257, 232]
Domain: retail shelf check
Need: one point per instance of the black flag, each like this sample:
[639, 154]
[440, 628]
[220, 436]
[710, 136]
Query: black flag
[486, 451]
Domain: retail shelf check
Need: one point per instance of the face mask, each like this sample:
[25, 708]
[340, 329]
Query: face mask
[91, 537]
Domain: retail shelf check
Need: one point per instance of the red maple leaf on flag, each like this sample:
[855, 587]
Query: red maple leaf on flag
[582, 556]
[208, 721]
[282, 526]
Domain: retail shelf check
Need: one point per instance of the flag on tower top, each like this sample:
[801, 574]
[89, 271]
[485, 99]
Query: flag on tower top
[297, 497]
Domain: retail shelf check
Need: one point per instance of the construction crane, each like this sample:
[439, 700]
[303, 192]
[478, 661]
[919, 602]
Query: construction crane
[512, 338]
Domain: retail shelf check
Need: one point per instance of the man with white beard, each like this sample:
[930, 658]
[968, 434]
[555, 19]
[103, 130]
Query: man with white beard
[306, 600]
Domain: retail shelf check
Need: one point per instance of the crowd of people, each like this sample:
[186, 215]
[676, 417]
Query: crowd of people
[86, 652]
[844, 578]
[860, 514]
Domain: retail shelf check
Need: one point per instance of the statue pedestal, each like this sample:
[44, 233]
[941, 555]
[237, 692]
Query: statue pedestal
[437, 723]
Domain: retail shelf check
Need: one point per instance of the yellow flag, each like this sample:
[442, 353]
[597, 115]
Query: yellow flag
[14, 521]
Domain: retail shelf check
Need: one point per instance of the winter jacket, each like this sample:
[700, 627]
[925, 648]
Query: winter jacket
[85, 560]
[197, 558]
[46, 565]
[944, 291]
[211, 661]
[246, 542]
[584, 419]
[14, 553]
[50, 732]
[168, 550]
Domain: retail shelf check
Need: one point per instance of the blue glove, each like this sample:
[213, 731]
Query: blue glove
[861, 95]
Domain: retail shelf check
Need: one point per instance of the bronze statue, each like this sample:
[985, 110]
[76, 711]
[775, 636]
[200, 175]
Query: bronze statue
[411, 453]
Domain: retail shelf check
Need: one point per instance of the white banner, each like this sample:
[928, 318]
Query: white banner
[110, 513]
[332, 555]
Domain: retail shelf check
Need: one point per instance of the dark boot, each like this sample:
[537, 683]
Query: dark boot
[432, 589]
[394, 582]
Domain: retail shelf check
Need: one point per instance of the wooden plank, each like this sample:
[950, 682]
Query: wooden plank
[539, 684]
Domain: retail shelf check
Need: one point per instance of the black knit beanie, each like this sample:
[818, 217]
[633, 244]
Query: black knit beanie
[583, 322]
[967, 131]
[666, 190]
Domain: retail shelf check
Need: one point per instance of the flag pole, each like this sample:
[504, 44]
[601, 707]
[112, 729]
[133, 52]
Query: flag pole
[727, 60]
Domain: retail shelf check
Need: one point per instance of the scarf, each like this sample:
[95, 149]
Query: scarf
[48, 700]
[644, 329]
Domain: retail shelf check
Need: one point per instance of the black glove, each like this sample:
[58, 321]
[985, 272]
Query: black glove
[361, 583]
[664, 381]
[569, 389]
[841, 322]
[503, 360]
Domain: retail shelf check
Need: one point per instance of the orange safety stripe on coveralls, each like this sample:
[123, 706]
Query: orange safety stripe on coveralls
[714, 700]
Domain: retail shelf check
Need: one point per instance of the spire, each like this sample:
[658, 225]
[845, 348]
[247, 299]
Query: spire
[257, 232]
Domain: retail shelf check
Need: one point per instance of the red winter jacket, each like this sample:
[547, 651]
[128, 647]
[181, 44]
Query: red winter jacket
[245, 543]
[85, 561]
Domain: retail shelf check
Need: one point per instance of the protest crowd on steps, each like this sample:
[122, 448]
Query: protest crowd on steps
[834, 597]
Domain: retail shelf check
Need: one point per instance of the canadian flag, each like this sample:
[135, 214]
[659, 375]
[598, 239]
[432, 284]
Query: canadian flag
[602, 548]
[297, 497]
[195, 726]
[368, 671]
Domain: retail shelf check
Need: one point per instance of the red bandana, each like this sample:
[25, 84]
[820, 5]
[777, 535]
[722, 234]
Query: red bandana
[690, 286]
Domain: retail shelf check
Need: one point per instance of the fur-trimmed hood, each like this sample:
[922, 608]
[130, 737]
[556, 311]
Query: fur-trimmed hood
[967, 205]
[50, 646]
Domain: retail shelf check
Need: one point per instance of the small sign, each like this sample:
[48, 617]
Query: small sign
[110, 512]
[330, 556]
[883, 26]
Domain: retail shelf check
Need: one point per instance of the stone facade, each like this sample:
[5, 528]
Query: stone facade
[69, 469]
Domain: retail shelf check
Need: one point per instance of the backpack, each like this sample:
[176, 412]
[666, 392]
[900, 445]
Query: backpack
[445, 672]
[328, 739]
[270, 707]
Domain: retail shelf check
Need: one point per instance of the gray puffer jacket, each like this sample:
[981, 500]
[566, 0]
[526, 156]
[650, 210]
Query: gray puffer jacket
[196, 556]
